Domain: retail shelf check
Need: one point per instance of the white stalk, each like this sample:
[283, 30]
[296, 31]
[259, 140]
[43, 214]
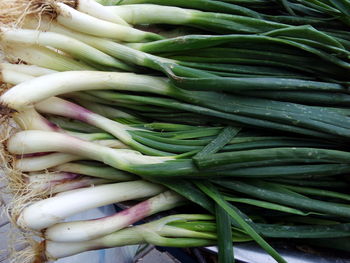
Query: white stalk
[48, 212]
[31, 70]
[38, 163]
[145, 14]
[81, 22]
[42, 162]
[55, 250]
[61, 42]
[44, 87]
[92, 229]
[97, 10]
[12, 77]
[27, 142]
[43, 57]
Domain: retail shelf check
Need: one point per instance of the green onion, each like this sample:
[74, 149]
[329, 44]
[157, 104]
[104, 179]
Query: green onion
[157, 233]
[26, 142]
[92, 229]
[85, 23]
[50, 211]
[67, 44]
[39, 163]
[95, 9]
[221, 23]
[68, 109]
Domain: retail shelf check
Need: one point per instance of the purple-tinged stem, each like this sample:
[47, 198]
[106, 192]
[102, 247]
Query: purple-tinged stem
[92, 229]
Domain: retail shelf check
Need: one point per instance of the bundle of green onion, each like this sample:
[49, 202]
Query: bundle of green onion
[238, 108]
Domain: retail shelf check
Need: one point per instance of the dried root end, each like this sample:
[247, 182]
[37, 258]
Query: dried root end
[13, 12]
[14, 179]
[31, 252]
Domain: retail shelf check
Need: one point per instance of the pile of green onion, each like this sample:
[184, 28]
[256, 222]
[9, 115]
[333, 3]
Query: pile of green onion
[235, 109]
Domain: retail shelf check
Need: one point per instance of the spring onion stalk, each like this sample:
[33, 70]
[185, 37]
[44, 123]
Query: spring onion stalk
[27, 142]
[207, 5]
[43, 57]
[69, 45]
[32, 70]
[68, 109]
[97, 10]
[221, 23]
[80, 80]
[61, 182]
[39, 163]
[32, 120]
[48, 160]
[99, 171]
[29, 121]
[306, 14]
[13, 77]
[157, 233]
[92, 229]
[50, 211]
[81, 22]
